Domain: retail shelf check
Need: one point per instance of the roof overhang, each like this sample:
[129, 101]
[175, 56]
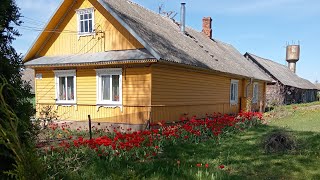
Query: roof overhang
[100, 58]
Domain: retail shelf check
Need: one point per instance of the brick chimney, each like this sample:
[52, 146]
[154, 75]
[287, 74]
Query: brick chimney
[206, 26]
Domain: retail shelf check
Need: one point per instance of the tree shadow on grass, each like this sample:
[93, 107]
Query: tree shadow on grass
[242, 154]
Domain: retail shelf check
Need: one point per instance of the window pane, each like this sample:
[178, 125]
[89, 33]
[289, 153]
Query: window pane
[105, 87]
[70, 88]
[81, 26]
[86, 26]
[90, 25]
[90, 16]
[62, 88]
[81, 17]
[85, 16]
[115, 88]
[232, 92]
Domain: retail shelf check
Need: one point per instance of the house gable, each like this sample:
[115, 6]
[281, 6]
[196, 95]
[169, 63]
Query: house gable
[64, 39]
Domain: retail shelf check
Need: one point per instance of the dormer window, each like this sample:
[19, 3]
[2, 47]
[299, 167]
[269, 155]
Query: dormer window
[85, 22]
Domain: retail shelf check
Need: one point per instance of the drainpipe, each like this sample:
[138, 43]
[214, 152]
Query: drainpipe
[247, 87]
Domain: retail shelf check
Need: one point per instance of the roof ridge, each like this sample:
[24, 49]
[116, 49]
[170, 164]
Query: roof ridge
[134, 3]
[268, 60]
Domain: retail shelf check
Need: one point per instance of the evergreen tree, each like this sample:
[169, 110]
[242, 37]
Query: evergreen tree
[10, 68]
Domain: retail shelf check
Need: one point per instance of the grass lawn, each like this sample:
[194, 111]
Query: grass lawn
[242, 154]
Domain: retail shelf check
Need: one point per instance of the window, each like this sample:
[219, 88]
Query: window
[255, 93]
[65, 86]
[234, 92]
[85, 21]
[109, 86]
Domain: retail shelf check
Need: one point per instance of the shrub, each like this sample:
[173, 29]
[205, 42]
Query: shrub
[21, 155]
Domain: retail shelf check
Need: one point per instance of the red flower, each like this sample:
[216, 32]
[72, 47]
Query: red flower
[221, 166]
[157, 147]
[207, 165]
[199, 165]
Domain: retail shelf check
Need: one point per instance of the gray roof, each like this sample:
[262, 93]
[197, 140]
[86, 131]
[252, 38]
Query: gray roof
[162, 35]
[162, 38]
[281, 73]
[318, 86]
[109, 56]
[28, 76]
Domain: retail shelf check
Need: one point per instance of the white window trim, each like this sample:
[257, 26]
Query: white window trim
[234, 102]
[108, 71]
[255, 97]
[63, 73]
[80, 11]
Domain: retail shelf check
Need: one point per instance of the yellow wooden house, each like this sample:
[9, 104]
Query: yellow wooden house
[122, 63]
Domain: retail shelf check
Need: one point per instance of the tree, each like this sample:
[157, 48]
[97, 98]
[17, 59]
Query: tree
[10, 68]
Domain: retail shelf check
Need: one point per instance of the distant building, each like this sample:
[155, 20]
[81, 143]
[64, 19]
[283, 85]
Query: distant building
[28, 76]
[287, 87]
[318, 87]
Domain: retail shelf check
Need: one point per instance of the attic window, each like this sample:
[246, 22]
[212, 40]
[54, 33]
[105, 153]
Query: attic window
[85, 22]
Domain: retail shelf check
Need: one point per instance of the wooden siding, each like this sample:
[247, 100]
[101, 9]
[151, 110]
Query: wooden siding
[136, 97]
[110, 34]
[177, 91]
[261, 96]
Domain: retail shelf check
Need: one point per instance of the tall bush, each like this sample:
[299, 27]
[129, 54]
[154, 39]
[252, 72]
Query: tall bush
[18, 102]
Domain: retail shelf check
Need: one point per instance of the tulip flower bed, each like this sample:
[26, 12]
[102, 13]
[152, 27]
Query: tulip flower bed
[125, 145]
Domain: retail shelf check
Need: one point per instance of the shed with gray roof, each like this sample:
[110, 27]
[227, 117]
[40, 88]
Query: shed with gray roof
[287, 87]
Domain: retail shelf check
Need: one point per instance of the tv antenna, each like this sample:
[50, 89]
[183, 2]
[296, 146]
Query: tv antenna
[169, 14]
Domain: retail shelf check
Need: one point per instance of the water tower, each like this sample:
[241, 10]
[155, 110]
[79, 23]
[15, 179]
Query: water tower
[293, 55]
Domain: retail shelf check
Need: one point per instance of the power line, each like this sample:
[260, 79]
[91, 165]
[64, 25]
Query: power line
[35, 20]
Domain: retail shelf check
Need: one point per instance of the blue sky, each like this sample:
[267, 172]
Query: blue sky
[262, 27]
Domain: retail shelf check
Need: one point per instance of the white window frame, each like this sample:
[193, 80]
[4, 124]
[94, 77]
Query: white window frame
[255, 94]
[65, 73]
[110, 72]
[85, 11]
[236, 83]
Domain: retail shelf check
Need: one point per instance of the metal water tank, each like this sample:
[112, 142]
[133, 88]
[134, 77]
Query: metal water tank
[293, 53]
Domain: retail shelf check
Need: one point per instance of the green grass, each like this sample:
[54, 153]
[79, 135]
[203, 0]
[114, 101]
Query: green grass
[304, 118]
[242, 154]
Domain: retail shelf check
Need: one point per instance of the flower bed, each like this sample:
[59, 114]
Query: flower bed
[146, 144]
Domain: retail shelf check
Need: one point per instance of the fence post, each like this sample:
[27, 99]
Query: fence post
[90, 132]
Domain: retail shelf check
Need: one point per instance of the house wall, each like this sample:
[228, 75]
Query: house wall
[261, 103]
[111, 35]
[177, 91]
[136, 97]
